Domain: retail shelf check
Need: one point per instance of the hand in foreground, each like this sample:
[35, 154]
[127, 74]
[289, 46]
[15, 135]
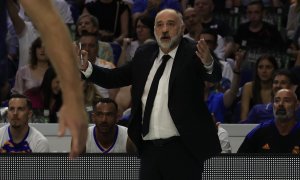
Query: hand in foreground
[203, 52]
[74, 117]
[72, 113]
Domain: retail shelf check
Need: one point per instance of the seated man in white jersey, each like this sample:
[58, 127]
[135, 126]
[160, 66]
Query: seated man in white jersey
[18, 136]
[106, 136]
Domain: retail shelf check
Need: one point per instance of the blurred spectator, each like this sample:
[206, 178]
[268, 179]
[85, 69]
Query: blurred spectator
[295, 71]
[51, 94]
[89, 23]
[232, 3]
[12, 50]
[216, 44]
[113, 17]
[280, 135]
[218, 102]
[106, 136]
[89, 43]
[192, 22]
[262, 112]
[149, 8]
[223, 137]
[144, 34]
[31, 75]
[257, 34]
[297, 63]
[266, 3]
[25, 31]
[123, 99]
[64, 10]
[293, 20]
[76, 7]
[91, 97]
[62, 7]
[205, 9]
[46, 97]
[18, 136]
[259, 91]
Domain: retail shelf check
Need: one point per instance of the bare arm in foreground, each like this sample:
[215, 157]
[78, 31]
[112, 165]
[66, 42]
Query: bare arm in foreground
[60, 50]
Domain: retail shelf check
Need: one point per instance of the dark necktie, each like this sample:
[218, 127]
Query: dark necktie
[152, 94]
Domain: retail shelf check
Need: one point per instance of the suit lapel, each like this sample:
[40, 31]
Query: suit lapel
[179, 61]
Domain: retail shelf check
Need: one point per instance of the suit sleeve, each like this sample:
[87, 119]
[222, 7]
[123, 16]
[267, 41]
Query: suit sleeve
[112, 78]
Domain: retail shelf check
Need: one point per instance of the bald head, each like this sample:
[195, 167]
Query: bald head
[191, 18]
[169, 12]
[285, 106]
[286, 92]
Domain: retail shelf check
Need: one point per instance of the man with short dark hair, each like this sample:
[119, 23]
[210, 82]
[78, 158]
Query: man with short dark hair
[205, 9]
[257, 34]
[18, 136]
[87, 23]
[263, 112]
[106, 136]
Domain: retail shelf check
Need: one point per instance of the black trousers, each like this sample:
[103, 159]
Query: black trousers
[169, 160]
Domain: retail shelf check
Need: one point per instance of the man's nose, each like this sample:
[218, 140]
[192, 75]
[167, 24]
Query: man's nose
[104, 118]
[15, 112]
[277, 85]
[165, 28]
[280, 103]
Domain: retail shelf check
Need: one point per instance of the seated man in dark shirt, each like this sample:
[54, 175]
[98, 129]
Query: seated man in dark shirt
[263, 112]
[257, 34]
[280, 135]
[205, 10]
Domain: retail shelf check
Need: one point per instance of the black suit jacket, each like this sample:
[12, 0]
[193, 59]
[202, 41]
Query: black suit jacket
[186, 102]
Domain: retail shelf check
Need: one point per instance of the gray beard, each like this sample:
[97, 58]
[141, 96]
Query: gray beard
[172, 44]
[283, 117]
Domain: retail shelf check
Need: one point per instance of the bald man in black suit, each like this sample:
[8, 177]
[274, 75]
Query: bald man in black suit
[177, 135]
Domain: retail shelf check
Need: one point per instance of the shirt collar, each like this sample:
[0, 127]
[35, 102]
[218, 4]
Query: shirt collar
[171, 53]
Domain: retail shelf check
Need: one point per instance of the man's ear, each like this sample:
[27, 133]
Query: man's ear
[30, 114]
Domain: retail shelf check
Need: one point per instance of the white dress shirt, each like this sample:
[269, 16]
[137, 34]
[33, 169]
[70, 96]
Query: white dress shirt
[161, 124]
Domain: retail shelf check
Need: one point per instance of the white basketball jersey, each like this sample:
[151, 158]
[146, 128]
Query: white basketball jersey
[119, 145]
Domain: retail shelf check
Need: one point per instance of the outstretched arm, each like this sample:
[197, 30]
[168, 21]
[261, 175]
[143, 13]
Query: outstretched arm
[59, 48]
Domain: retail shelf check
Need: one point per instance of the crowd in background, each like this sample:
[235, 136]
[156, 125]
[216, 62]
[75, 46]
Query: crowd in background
[253, 40]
